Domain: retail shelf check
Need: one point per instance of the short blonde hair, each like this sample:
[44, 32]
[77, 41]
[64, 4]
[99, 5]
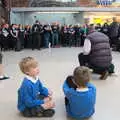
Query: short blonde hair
[82, 76]
[27, 63]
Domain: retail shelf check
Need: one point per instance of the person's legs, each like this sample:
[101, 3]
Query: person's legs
[57, 38]
[104, 75]
[99, 70]
[1, 69]
[38, 111]
[34, 40]
[41, 112]
[78, 41]
[104, 72]
[2, 77]
[53, 39]
[48, 113]
[38, 41]
[46, 40]
[27, 113]
[83, 59]
[33, 112]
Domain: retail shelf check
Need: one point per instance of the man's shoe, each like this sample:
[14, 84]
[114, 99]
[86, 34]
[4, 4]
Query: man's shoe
[104, 75]
[4, 78]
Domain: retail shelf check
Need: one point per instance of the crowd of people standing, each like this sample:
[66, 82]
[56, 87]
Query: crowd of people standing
[37, 36]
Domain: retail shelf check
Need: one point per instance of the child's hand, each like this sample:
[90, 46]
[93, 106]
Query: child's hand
[47, 99]
[48, 105]
[50, 93]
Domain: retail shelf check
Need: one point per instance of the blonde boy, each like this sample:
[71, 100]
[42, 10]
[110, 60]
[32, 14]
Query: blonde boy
[34, 100]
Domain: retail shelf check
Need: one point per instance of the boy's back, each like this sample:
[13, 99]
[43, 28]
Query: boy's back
[81, 103]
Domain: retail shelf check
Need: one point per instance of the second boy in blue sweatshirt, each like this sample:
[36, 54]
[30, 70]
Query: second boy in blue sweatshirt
[80, 100]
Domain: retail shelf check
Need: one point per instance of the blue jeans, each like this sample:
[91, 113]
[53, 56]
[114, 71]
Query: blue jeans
[55, 39]
[46, 39]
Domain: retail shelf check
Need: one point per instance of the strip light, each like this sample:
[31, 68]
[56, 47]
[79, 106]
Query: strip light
[58, 12]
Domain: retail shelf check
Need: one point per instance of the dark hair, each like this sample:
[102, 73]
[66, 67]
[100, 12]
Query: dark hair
[70, 82]
[91, 28]
[36, 21]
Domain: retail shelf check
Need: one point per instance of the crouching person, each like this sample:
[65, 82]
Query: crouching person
[34, 100]
[80, 94]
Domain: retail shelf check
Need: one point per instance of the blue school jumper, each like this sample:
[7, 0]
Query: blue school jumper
[81, 103]
[28, 92]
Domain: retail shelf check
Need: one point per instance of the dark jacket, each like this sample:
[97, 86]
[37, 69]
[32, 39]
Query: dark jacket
[113, 29]
[100, 55]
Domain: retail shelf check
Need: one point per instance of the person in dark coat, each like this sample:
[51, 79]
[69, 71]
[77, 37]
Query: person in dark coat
[28, 37]
[21, 35]
[36, 38]
[55, 35]
[47, 35]
[113, 32]
[105, 29]
[96, 53]
[14, 42]
[5, 37]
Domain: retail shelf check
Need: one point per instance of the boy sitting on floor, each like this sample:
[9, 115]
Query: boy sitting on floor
[34, 100]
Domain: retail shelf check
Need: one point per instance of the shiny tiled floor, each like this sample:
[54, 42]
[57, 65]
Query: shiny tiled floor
[55, 65]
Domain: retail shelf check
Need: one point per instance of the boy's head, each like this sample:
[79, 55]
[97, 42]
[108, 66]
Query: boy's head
[29, 66]
[81, 76]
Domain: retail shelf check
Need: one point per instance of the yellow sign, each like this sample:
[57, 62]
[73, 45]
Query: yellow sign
[97, 20]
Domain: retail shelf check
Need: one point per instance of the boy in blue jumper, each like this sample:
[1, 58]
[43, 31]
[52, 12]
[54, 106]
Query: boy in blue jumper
[34, 100]
[79, 99]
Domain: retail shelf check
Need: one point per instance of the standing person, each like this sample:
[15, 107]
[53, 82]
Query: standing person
[97, 53]
[84, 33]
[105, 29]
[98, 27]
[77, 35]
[27, 37]
[5, 37]
[55, 35]
[47, 35]
[80, 98]
[21, 35]
[15, 43]
[71, 36]
[36, 38]
[113, 32]
[2, 76]
[66, 35]
[34, 100]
